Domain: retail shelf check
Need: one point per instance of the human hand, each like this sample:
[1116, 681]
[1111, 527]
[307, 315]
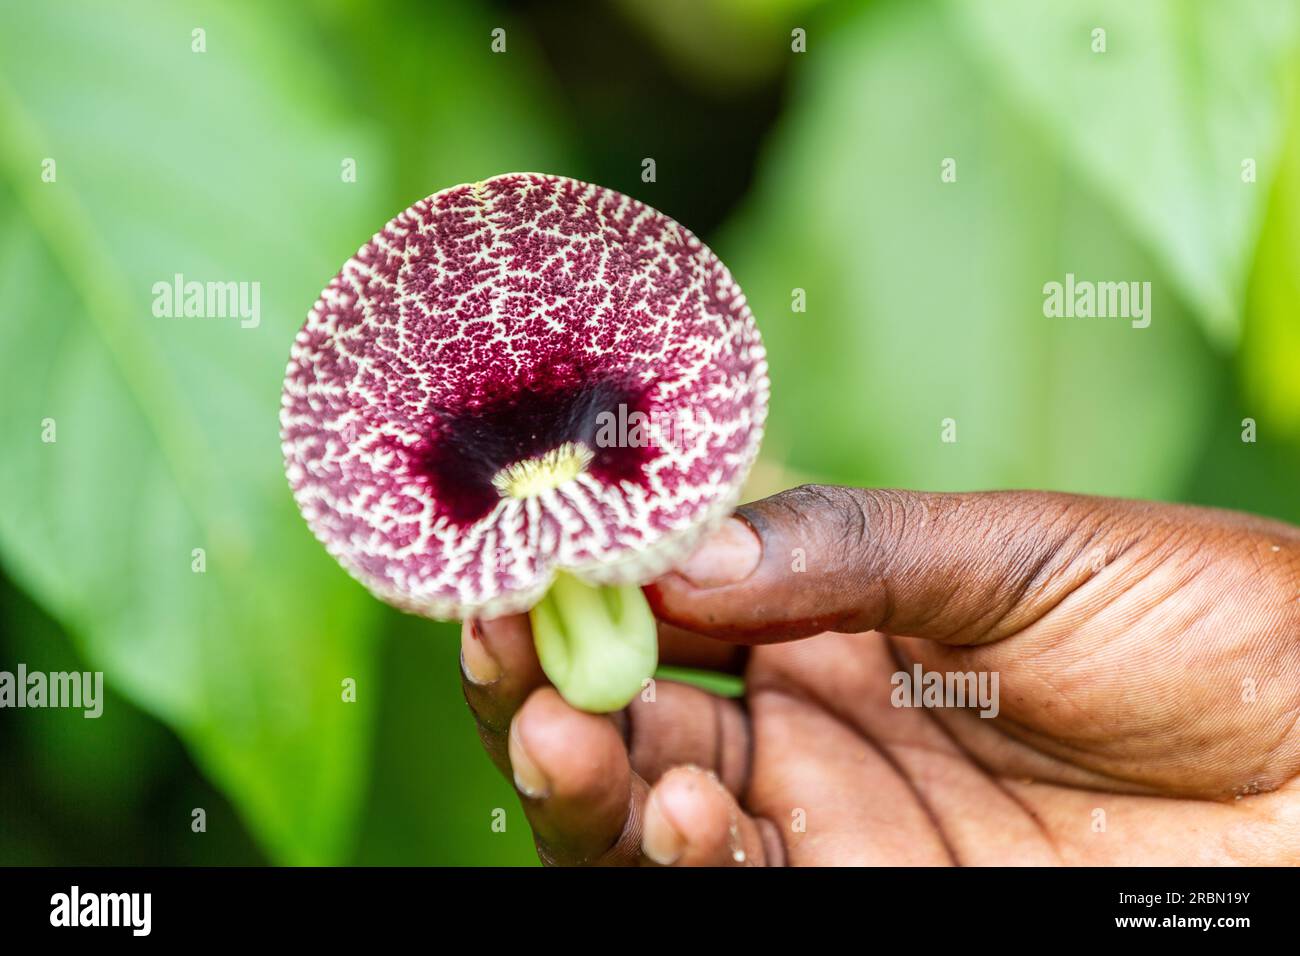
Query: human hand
[1146, 655]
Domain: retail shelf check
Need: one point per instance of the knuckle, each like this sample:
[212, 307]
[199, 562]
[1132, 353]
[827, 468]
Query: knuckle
[858, 529]
[833, 510]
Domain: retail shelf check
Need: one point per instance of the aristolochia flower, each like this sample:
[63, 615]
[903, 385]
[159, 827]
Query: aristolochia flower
[528, 393]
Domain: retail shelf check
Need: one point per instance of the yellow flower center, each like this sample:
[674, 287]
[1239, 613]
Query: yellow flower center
[532, 476]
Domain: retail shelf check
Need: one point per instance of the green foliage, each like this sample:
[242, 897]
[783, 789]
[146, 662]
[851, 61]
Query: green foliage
[925, 297]
[221, 165]
[166, 430]
[1159, 123]
[924, 303]
[1270, 348]
[433, 795]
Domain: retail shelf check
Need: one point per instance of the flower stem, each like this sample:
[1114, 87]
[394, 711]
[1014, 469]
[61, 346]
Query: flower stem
[597, 645]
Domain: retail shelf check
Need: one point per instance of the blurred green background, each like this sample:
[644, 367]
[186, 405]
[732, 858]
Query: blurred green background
[816, 170]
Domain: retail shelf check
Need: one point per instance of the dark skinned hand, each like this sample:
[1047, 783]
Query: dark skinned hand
[1148, 659]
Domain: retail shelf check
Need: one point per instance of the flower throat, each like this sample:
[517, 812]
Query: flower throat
[525, 443]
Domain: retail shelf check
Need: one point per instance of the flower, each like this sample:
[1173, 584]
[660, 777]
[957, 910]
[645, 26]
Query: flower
[519, 378]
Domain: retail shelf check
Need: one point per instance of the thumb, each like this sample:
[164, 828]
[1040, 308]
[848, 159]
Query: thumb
[958, 568]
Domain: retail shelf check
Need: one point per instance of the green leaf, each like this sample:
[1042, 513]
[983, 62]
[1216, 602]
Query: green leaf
[210, 165]
[722, 44]
[1270, 345]
[925, 298]
[434, 795]
[451, 110]
[223, 165]
[1161, 122]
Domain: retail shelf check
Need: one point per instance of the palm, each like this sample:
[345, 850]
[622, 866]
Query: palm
[848, 778]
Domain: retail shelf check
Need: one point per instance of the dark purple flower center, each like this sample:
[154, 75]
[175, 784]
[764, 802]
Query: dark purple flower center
[472, 446]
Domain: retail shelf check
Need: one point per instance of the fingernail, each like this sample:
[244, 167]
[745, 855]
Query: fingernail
[660, 840]
[479, 666]
[727, 556]
[528, 778]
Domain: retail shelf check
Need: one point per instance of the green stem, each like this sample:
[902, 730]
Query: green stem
[598, 645]
[715, 682]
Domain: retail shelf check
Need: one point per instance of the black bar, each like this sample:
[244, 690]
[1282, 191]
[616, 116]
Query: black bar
[330, 906]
